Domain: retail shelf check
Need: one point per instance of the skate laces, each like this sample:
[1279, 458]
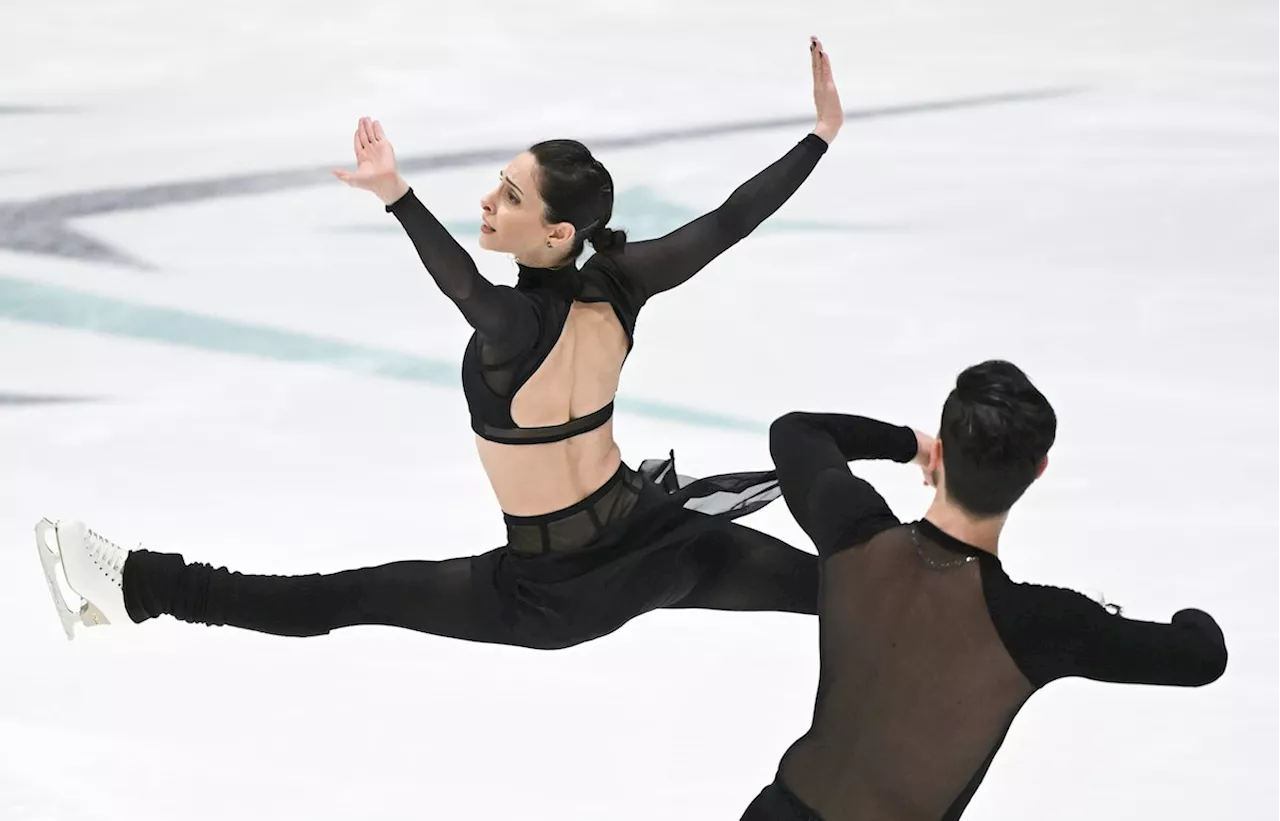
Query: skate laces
[106, 553]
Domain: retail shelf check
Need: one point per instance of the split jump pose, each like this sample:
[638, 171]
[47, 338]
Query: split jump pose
[591, 543]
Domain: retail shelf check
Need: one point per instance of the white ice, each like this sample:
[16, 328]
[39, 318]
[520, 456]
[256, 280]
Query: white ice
[1117, 240]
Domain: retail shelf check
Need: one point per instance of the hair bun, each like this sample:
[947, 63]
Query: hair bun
[608, 239]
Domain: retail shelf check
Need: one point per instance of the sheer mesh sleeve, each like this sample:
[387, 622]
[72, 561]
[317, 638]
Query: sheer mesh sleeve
[505, 317]
[1064, 633]
[661, 264]
[811, 452]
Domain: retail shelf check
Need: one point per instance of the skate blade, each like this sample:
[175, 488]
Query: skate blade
[88, 615]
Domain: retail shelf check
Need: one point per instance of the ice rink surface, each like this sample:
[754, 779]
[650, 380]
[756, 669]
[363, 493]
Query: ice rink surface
[209, 345]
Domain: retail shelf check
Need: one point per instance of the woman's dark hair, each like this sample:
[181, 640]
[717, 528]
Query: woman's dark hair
[996, 430]
[578, 190]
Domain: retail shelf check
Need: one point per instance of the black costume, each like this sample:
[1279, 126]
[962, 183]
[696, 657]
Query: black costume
[639, 542]
[928, 649]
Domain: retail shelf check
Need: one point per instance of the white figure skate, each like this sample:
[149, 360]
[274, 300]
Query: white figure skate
[93, 568]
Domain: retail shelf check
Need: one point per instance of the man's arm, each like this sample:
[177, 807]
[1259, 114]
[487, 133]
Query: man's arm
[811, 452]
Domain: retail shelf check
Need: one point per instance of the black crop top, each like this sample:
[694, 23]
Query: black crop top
[516, 327]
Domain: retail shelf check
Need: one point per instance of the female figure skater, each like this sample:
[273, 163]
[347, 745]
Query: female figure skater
[591, 543]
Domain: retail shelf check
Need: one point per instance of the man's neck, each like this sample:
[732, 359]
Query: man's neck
[983, 534]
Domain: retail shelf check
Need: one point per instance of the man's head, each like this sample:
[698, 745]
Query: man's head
[994, 439]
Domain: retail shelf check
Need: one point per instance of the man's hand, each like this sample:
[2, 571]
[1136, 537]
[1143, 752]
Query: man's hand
[924, 457]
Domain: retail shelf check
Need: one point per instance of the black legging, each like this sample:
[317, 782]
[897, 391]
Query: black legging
[638, 543]
[725, 567]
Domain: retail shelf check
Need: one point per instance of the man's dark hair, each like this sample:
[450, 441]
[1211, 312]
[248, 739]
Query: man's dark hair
[996, 429]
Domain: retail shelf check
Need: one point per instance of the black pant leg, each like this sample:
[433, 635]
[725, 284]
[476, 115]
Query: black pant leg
[743, 569]
[456, 598]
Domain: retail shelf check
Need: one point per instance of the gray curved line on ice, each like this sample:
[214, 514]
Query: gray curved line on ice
[38, 226]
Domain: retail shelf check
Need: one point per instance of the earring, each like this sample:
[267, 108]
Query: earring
[548, 243]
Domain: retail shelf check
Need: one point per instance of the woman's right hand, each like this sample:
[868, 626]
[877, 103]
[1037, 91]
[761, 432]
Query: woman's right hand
[375, 164]
[825, 97]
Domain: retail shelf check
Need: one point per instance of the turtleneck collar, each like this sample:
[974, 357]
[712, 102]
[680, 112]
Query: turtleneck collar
[564, 280]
